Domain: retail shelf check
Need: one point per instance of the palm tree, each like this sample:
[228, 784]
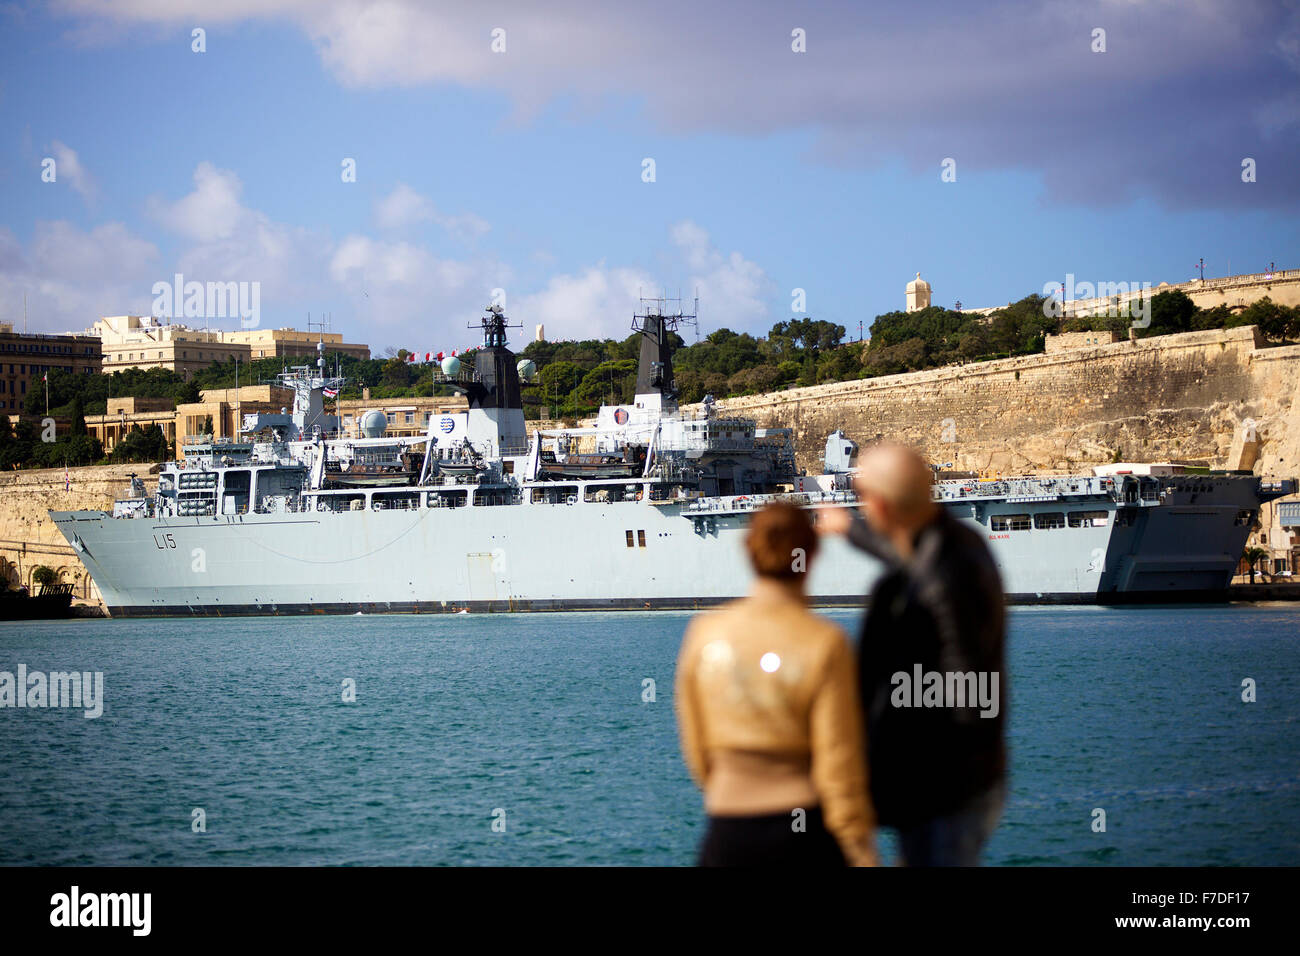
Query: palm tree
[1253, 556]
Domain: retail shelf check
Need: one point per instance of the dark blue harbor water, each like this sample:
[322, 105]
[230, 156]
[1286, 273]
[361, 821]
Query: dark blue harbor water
[1136, 711]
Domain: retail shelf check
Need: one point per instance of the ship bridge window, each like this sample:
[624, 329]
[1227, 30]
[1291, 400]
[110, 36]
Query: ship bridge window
[451, 498]
[354, 502]
[1088, 519]
[395, 501]
[555, 494]
[1049, 520]
[235, 486]
[236, 482]
[1009, 523]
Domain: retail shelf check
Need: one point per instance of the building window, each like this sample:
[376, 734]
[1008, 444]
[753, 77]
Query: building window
[392, 418]
[410, 418]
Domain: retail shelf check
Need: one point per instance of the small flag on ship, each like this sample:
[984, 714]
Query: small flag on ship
[67, 479]
[330, 392]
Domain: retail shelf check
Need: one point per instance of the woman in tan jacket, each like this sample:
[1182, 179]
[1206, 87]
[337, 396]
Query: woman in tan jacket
[769, 717]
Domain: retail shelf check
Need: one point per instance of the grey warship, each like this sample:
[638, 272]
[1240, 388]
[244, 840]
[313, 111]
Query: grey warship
[646, 509]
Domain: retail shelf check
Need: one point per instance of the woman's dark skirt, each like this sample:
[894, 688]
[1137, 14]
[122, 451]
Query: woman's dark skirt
[770, 840]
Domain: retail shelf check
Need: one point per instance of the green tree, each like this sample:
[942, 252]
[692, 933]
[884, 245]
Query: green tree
[77, 415]
[142, 445]
[397, 371]
[1219, 317]
[760, 378]
[1275, 322]
[974, 342]
[614, 380]
[1171, 312]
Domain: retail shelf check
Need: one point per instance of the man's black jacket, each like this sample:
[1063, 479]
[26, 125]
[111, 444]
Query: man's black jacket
[942, 610]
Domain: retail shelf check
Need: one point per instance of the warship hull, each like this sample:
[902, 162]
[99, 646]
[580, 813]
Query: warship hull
[612, 556]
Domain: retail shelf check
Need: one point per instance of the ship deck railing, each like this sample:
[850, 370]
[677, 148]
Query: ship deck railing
[744, 503]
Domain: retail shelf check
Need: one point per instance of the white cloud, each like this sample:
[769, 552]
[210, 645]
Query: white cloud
[733, 290]
[228, 241]
[404, 207]
[599, 301]
[71, 276]
[596, 303]
[402, 289]
[212, 211]
[68, 169]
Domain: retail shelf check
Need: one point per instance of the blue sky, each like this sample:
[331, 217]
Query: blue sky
[522, 170]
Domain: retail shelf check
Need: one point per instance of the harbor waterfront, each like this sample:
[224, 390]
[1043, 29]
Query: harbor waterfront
[547, 722]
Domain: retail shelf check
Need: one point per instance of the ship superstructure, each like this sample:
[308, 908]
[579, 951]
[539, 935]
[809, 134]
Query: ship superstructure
[645, 509]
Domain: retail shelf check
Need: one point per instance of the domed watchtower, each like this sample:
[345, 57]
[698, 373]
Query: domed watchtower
[918, 294]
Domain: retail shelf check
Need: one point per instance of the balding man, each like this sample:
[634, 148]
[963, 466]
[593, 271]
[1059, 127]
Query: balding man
[931, 659]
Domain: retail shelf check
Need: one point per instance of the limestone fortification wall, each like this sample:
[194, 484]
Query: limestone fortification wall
[28, 538]
[1190, 397]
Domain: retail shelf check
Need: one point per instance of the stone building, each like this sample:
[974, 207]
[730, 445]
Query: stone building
[224, 406]
[292, 343]
[123, 414]
[145, 341]
[26, 357]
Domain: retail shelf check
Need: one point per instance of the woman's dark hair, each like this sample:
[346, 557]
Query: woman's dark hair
[781, 541]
